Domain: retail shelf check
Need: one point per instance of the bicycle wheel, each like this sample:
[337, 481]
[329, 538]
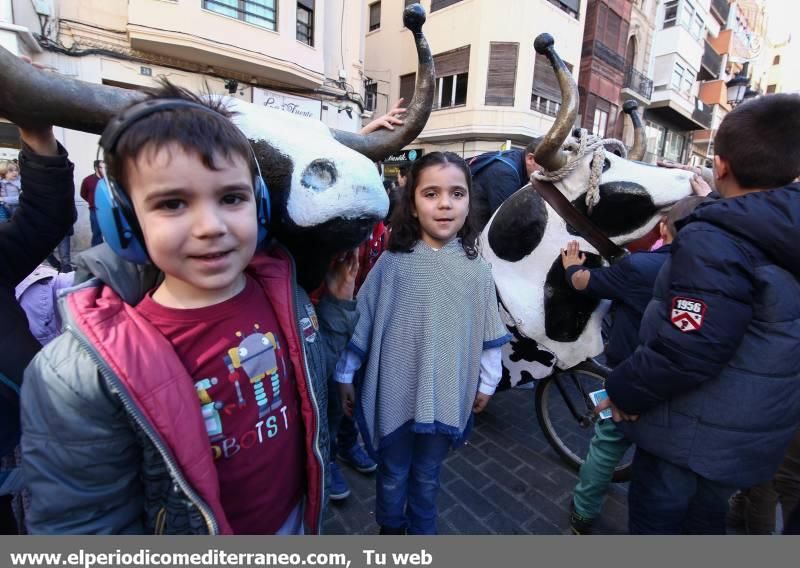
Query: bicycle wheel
[566, 415]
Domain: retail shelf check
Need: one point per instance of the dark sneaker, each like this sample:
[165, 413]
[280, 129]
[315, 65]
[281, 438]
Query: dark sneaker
[357, 458]
[577, 524]
[736, 512]
[338, 489]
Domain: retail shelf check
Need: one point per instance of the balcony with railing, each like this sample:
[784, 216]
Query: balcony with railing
[638, 82]
[604, 53]
[710, 64]
[703, 114]
[720, 10]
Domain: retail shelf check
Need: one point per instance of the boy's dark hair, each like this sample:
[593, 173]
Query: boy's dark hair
[403, 171]
[681, 210]
[97, 163]
[208, 134]
[405, 227]
[760, 139]
[531, 147]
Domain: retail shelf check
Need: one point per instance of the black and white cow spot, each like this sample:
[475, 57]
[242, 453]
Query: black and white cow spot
[623, 208]
[518, 226]
[567, 311]
[524, 361]
[276, 169]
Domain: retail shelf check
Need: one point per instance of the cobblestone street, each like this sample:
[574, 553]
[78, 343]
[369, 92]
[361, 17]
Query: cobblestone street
[505, 480]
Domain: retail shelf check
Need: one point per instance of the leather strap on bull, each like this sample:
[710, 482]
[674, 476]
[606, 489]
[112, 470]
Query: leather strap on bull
[580, 222]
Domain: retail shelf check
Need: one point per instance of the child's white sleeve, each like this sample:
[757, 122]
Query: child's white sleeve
[491, 369]
[348, 364]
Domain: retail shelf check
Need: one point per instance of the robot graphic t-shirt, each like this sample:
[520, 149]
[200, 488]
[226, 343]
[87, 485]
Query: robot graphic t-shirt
[238, 359]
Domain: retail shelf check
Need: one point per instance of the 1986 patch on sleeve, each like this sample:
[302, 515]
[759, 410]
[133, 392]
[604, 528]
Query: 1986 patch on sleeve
[687, 313]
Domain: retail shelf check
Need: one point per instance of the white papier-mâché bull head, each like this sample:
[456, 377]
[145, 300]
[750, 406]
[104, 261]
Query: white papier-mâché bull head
[524, 238]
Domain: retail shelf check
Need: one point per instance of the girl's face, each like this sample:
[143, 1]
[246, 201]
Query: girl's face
[12, 173]
[441, 203]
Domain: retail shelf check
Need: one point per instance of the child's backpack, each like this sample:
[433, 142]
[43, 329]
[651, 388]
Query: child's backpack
[478, 163]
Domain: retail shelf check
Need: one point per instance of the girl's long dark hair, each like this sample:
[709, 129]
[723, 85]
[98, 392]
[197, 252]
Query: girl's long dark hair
[406, 231]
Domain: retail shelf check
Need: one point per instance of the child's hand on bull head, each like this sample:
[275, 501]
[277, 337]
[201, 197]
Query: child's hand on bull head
[572, 255]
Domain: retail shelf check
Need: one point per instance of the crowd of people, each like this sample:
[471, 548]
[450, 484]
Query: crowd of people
[201, 390]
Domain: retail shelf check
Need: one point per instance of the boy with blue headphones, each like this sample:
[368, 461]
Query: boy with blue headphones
[188, 393]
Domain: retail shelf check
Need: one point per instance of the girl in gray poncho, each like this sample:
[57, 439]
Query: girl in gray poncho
[427, 342]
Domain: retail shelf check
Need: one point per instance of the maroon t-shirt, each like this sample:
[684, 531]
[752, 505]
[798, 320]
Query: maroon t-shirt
[238, 359]
[88, 187]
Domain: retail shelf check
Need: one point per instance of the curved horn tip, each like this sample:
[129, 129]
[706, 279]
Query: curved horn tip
[414, 17]
[630, 106]
[543, 43]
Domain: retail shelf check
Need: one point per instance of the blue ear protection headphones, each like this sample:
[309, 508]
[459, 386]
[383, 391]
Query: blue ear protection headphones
[115, 213]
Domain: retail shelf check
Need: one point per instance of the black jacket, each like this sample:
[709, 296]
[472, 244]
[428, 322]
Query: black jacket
[716, 376]
[43, 218]
[629, 283]
[497, 181]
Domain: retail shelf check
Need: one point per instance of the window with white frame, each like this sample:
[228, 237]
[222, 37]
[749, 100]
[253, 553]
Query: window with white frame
[656, 135]
[571, 7]
[451, 91]
[688, 81]
[685, 14]
[305, 21]
[370, 94]
[677, 76]
[374, 16]
[674, 146]
[683, 78]
[545, 92]
[259, 12]
[698, 26]
[600, 122]
[439, 4]
[452, 77]
[670, 14]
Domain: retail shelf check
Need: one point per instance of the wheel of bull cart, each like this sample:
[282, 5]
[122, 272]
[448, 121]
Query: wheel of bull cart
[566, 414]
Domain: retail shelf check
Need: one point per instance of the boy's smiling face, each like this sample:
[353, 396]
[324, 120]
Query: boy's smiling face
[199, 225]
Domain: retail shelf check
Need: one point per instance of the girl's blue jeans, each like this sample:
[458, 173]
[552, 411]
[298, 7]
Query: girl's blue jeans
[408, 481]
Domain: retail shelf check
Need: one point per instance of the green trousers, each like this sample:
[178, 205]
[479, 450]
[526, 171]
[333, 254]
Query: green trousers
[607, 448]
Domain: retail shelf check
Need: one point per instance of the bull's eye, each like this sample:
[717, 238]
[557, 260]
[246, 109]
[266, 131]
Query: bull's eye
[606, 164]
[319, 175]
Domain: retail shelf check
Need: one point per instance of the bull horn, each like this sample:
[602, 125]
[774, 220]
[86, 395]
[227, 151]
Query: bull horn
[31, 97]
[639, 147]
[548, 153]
[382, 143]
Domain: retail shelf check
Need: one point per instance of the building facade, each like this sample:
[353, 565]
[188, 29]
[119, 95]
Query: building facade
[681, 56]
[492, 90]
[20, 41]
[637, 81]
[603, 66]
[741, 45]
[301, 56]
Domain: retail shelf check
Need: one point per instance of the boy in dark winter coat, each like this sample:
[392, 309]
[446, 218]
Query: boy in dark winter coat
[715, 381]
[41, 220]
[629, 284]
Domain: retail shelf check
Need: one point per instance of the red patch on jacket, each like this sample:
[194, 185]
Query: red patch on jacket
[687, 313]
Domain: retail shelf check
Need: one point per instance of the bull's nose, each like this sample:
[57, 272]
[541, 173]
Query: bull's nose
[319, 175]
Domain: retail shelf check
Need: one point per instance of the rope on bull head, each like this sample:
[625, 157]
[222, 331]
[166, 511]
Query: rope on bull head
[578, 147]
